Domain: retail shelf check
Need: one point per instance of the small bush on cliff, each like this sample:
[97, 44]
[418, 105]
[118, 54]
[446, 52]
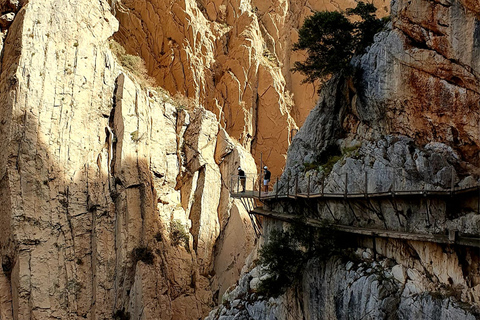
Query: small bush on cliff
[133, 64]
[287, 252]
[143, 254]
[7, 265]
[179, 234]
[331, 40]
[121, 315]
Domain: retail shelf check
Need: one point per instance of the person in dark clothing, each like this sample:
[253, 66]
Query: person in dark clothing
[242, 177]
[266, 177]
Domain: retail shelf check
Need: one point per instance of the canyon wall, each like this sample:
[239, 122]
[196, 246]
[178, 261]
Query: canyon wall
[408, 120]
[419, 80]
[114, 199]
[233, 57]
[402, 280]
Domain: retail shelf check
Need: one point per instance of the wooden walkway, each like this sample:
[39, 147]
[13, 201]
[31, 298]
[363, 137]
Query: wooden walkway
[451, 238]
[250, 199]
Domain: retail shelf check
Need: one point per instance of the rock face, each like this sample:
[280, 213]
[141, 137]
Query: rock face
[407, 121]
[115, 199]
[112, 196]
[234, 58]
[417, 82]
[393, 287]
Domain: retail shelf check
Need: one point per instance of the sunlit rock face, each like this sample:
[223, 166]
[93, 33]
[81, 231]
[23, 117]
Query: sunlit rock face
[419, 79]
[423, 77]
[233, 57]
[114, 199]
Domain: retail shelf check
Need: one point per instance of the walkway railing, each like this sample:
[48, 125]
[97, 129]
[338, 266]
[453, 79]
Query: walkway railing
[383, 184]
[237, 186]
[378, 185]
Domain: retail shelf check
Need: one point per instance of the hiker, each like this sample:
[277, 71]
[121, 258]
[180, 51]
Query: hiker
[242, 177]
[266, 177]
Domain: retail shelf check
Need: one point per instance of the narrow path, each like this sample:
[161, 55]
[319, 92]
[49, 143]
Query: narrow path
[250, 198]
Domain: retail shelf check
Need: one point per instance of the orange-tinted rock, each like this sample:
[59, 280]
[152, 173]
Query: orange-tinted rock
[234, 58]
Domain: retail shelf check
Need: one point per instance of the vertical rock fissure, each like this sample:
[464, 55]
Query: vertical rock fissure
[196, 208]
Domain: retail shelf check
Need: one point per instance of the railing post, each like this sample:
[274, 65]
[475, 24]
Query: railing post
[260, 186]
[260, 176]
[288, 184]
[452, 183]
[276, 189]
[296, 185]
[308, 187]
[393, 185]
[346, 184]
[366, 184]
[323, 184]
[478, 200]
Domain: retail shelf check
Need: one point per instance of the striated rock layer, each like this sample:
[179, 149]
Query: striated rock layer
[234, 57]
[112, 196]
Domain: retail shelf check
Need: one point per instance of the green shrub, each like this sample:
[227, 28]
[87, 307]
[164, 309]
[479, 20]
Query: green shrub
[179, 234]
[7, 265]
[158, 236]
[183, 103]
[286, 253]
[311, 166]
[135, 136]
[331, 40]
[349, 152]
[328, 166]
[121, 315]
[133, 64]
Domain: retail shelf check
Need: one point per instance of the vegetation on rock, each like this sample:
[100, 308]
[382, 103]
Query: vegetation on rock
[121, 315]
[331, 40]
[133, 64]
[179, 234]
[143, 254]
[287, 252]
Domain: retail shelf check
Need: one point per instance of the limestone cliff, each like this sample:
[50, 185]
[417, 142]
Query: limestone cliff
[115, 197]
[112, 195]
[408, 120]
[233, 57]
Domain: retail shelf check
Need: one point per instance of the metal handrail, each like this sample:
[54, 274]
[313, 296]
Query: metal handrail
[290, 187]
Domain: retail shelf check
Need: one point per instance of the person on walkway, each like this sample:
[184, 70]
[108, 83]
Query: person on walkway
[266, 178]
[242, 177]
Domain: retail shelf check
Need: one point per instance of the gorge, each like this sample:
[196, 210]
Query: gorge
[115, 194]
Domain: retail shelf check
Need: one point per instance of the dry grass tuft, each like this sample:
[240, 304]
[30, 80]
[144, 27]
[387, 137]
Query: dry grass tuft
[135, 65]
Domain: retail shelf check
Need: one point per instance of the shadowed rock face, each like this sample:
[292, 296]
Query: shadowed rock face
[406, 281]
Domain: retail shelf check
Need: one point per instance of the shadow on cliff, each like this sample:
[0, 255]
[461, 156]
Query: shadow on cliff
[99, 236]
